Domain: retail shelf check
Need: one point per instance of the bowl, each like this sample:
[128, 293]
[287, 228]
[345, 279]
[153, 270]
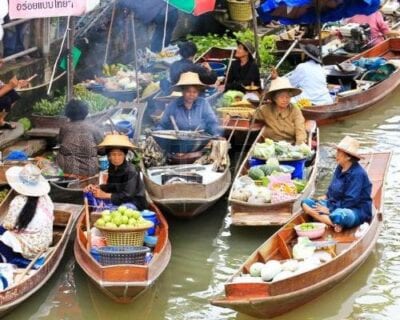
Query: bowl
[316, 229]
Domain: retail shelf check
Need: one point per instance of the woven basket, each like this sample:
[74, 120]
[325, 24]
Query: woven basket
[125, 236]
[48, 121]
[111, 255]
[240, 10]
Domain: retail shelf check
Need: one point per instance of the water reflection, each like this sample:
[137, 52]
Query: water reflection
[206, 251]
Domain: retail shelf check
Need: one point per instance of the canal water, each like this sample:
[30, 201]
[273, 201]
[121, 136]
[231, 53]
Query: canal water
[207, 250]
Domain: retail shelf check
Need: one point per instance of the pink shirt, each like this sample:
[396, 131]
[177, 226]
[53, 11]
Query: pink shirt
[375, 21]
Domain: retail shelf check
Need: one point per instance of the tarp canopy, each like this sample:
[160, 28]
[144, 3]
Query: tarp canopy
[304, 11]
[197, 7]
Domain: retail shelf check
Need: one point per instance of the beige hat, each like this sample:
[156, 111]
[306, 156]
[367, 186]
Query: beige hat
[350, 146]
[117, 141]
[282, 83]
[174, 95]
[27, 180]
[188, 79]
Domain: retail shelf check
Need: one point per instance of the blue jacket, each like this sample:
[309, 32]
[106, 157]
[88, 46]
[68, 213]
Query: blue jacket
[199, 116]
[351, 190]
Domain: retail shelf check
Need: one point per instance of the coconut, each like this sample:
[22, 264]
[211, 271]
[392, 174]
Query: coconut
[283, 275]
[270, 270]
[255, 269]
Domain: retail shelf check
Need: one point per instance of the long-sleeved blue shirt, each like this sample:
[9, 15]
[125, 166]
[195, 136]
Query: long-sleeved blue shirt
[351, 190]
[200, 116]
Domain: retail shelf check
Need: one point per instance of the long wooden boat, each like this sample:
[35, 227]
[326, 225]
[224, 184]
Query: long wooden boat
[124, 282]
[186, 200]
[65, 216]
[361, 100]
[246, 214]
[270, 299]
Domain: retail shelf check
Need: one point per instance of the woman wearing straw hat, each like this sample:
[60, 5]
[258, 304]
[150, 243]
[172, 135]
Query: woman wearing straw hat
[190, 111]
[310, 77]
[27, 228]
[124, 184]
[282, 120]
[348, 201]
[244, 70]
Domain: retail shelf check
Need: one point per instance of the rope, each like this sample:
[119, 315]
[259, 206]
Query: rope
[165, 26]
[109, 34]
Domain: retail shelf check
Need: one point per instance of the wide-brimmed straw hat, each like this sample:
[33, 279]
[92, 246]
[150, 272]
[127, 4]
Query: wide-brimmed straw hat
[282, 83]
[188, 79]
[249, 47]
[311, 51]
[27, 180]
[350, 146]
[116, 141]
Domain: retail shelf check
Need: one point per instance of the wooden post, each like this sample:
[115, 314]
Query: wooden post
[318, 13]
[254, 14]
[70, 68]
[135, 58]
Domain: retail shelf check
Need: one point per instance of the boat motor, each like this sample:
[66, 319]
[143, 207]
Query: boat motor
[359, 38]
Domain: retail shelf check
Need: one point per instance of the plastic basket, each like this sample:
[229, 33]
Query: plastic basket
[298, 165]
[125, 236]
[240, 10]
[112, 255]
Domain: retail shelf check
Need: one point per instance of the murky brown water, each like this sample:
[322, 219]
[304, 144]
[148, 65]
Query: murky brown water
[206, 251]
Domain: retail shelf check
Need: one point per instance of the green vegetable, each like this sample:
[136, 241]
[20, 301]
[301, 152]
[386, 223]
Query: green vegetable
[299, 184]
[307, 226]
[256, 174]
[229, 97]
[26, 123]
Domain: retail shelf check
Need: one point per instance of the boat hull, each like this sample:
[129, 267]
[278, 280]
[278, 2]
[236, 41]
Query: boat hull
[347, 106]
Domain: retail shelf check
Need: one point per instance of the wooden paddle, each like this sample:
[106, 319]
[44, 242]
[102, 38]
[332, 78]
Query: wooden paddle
[29, 267]
[87, 218]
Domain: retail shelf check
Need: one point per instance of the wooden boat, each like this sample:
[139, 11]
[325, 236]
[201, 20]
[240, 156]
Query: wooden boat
[361, 100]
[246, 214]
[65, 216]
[270, 299]
[123, 283]
[186, 200]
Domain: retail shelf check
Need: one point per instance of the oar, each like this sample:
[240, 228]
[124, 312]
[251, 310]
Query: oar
[87, 219]
[174, 125]
[233, 130]
[262, 98]
[29, 267]
[229, 66]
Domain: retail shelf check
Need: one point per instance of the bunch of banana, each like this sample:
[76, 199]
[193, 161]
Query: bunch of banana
[303, 103]
[166, 54]
[110, 70]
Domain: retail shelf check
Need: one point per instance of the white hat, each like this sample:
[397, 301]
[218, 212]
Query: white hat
[27, 180]
[282, 83]
[350, 146]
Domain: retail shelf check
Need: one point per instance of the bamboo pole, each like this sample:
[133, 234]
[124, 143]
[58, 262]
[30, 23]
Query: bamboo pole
[254, 20]
[109, 34]
[70, 67]
[135, 57]
[87, 219]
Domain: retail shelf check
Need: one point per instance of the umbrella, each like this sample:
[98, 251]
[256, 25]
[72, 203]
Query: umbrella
[197, 7]
[305, 12]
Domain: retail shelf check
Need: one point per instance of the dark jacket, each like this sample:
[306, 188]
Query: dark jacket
[240, 76]
[351, 190]
[125, 185]
[184, 65]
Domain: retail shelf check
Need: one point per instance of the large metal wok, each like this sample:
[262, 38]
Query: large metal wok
[181, 141]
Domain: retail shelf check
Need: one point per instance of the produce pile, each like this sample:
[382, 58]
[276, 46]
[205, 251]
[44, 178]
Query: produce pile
[122, 218]
[124, 79]
[55, 107]
[282, 150]
[306, 257]
[303, 103]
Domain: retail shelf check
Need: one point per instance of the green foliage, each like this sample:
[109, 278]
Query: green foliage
[203, 43]
[26, 123]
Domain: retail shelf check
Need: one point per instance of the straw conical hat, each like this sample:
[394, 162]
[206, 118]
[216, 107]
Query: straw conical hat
[282, 83]
[188, 79]
[350, 146]
[116, 140]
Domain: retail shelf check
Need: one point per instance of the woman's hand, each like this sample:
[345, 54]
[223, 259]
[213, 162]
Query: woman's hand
[98, 193]
[89, 188]
[13, 83]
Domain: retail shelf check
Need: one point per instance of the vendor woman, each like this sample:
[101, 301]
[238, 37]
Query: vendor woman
[124, 184]
[348, 201]
[187, 51]
[190, 111]
[244, 70]
[282, 120]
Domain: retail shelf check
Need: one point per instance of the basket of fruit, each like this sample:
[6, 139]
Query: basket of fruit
[312, 230]
[123, 227]
[111, 255]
